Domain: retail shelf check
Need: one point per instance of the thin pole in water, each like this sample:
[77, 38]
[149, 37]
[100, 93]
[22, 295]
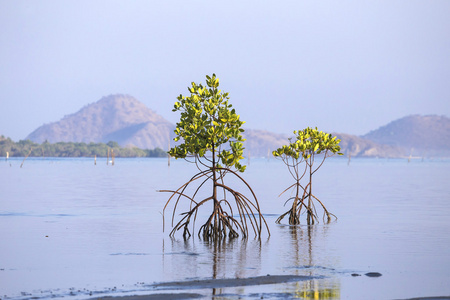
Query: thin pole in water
[112, 157]
[168, 155]
[31, 149]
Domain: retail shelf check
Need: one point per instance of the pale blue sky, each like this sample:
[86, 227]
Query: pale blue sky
[343, 66]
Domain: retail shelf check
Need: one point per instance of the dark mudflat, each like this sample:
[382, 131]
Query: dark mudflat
[429, 298]
[232, 282]
[154, 297]
[207, 284]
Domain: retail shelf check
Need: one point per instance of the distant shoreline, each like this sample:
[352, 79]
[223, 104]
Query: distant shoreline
[27, 148]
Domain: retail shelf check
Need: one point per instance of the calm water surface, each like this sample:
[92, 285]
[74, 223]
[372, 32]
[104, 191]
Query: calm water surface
[72, 228]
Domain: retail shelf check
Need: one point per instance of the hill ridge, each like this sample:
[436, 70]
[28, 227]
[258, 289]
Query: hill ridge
[129, 122]
[119, 117]
[424, 135]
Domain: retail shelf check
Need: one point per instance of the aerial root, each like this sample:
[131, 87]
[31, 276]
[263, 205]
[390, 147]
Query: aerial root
[222, 222]
[296, 210]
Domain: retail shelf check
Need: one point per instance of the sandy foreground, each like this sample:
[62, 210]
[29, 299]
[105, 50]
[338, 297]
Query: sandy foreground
[222, 283]
[208, 284]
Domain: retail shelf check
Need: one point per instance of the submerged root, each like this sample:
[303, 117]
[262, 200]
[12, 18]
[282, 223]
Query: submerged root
[325, 211]
[293, 218]
[223, 228]
[218, 224]
[310, 210]
[221, 223]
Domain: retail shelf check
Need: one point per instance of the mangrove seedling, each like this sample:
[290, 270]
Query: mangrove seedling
[300, 157]
[210, 136]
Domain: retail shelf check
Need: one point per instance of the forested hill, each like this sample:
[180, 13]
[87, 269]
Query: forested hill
[125, 120]
[119, 118]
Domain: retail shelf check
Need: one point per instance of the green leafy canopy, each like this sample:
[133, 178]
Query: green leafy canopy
[309, 141]
[208, 125]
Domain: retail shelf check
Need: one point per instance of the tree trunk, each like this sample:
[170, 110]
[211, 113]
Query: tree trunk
[310, 217]
[215, 202]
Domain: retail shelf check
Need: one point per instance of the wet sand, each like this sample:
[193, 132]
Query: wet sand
[208, 284]
[158, 289]
[232, 282]
[157, 296]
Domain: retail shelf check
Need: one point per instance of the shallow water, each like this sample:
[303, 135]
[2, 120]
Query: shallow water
[69, 227]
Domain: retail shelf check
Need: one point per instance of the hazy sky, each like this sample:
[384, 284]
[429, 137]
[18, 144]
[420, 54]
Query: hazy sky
[343, 66]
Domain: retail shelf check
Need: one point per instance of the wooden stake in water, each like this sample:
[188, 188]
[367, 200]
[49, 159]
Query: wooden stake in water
[95, 159]
[410, 155]
[168, 155]
[112, 157]
[31, 149]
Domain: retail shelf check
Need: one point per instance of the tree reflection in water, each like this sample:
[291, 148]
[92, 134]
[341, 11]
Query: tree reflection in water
[297, 253]
[304, 264]
[216, 259]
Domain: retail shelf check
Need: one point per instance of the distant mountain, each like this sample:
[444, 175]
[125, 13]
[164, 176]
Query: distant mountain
[260, 143]
[128, 122]
[119, 118]
[355, 146]
[417, 135]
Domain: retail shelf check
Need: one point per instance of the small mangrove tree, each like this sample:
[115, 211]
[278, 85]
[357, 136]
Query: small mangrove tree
[303, 156]
[210, 137]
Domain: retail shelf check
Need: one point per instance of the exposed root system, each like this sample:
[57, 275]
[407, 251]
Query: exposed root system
[222, 222]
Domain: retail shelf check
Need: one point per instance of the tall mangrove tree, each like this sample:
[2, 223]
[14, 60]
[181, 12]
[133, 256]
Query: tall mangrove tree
[303, 156]
[210, 136]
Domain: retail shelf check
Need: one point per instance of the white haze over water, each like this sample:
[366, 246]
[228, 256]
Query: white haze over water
[346, 66]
